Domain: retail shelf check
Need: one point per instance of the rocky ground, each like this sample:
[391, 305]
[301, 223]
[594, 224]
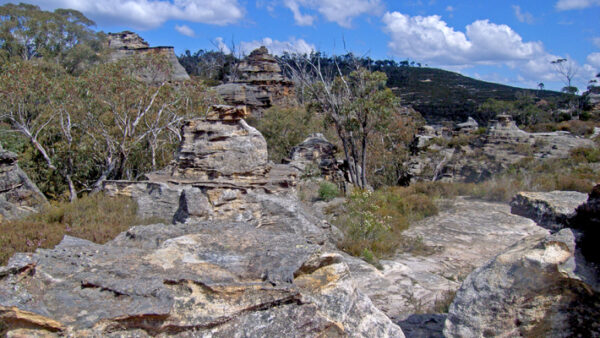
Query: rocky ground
[241, 256]
[462, 237]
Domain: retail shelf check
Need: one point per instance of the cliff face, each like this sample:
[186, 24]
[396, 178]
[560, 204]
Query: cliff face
[128, 44]
[258, 83]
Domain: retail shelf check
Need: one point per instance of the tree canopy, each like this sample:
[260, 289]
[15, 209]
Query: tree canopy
[65, 35]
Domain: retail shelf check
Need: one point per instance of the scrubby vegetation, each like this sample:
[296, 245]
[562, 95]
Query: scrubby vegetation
[97, 218]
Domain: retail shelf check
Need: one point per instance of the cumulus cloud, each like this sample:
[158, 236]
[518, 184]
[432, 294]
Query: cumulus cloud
[185, 30]
[525, 17]
[147, 14]
[565, 5]
[339, 11]
[594, 59]
[277, 47]
[430, 39]
[221, 45]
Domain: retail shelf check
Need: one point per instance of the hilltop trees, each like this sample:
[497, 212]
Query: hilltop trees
[63, 36]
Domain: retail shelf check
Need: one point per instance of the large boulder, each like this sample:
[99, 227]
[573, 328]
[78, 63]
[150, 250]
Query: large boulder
[442, 251]
[201, 279]
[18, 194]
[540, 287]
[551, 210]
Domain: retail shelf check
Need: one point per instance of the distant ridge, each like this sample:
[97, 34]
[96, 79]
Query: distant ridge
[441, 95]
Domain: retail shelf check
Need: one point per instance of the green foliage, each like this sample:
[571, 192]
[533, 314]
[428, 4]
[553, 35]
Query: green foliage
[65, 35]
[104, 124]
[286, 127]
[213, 67]
[373, 222]
[524, 110]
[97, 218]
[328, 191]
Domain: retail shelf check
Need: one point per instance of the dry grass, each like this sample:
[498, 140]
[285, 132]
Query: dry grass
[373, 222]
[96, 218]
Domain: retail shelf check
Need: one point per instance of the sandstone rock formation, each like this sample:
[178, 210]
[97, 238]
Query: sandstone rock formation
[128, 44]
[221, 172]
[202, 279]
[18, 195]
[316, 152]
[462, 237]
[258, 83]
[538, 288]
[465, 156]
[543, 285]
[249, 261]
[551, 210]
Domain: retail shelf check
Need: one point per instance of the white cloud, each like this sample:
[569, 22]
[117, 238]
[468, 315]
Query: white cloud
[277, 47]
[185, 30]
[449, 8]
[221, 45]
[596, 41]
[565, 5]
[594, 59]
[147, 14]
[339, 11]
[525, 17]
[430, 39]
[301, 19]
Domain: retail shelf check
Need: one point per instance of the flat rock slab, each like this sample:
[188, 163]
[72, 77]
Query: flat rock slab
[464, 237]
[552, 210]
[218, 279]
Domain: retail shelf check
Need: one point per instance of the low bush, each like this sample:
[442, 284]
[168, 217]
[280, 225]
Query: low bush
[97, 218]
[373, 221]
[328, 191]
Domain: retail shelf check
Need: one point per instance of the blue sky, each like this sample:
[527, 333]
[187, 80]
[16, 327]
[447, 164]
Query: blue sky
[509, 42]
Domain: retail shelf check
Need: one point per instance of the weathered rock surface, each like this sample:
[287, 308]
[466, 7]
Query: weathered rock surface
[465, 156]
[128, 44]
[587, 224]
[540, 287]
[18, 194]
[316, 152]
[461, 238]
[258, 83]
[202, 279]
[423, 325]
[551, 210]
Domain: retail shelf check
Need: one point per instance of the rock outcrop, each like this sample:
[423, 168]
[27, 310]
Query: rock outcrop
[18, 194]
[202, 279]
[537, 288]
[552, 210]
[544, 285]
[221, 172]
[447, 247]
[243, 258]
[128, 44]
[465, 155]
[257, 82]
[316, 152]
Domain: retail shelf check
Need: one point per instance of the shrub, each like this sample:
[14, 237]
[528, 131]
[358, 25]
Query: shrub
[328, 191]
[373, 221]
[97, 218]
